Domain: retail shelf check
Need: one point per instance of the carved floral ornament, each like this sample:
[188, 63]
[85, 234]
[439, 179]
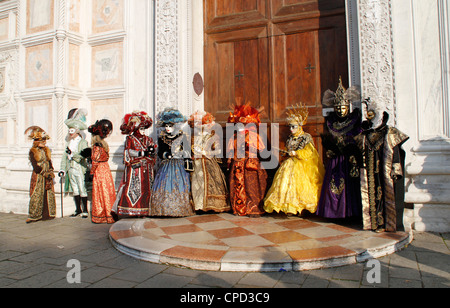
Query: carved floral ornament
[8, 60]
[377, 64]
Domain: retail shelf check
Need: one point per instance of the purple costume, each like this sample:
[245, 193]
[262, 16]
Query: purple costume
[341, 195]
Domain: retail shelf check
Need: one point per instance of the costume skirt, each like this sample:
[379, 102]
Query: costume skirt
[248, 182]
[296, 186]
[171, 190]
[209, 187]
[103, 194]
[341, 193]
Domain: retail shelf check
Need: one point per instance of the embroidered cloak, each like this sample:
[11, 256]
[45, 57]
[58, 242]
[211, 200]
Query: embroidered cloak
[42, 194]
[382, 173]
[341, 196]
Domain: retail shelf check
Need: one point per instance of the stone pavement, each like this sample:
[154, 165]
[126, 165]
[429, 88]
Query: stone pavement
[36, 255]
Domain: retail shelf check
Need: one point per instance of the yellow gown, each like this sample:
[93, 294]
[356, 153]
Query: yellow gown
[298, 181]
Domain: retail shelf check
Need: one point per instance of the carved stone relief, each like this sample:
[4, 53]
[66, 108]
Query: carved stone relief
[377, 67]
[8, 62]
[166, 40]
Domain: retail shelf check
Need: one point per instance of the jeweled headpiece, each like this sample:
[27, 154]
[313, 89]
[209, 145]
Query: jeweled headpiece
[341, 97]
[298, 114]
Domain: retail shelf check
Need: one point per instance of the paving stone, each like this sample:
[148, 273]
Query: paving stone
[165, 281]
[265, 280]
[404, 283]
[36, 255]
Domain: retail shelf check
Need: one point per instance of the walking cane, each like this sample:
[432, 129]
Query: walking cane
[61, 177]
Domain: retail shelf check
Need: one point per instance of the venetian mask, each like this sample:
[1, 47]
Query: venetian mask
[169, 128]
[342, 110]
[294, 128]
[141, 131]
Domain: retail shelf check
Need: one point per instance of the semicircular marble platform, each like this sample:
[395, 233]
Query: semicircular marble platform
[275, 242]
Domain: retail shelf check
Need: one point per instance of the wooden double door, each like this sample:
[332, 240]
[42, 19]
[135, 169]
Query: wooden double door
[274, 54]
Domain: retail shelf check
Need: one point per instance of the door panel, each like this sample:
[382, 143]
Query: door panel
[229, 14]
[302, 8]
[236, 67]
[274, 53]
[293, 82]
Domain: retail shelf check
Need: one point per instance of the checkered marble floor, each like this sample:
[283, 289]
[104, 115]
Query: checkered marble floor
[224, 242]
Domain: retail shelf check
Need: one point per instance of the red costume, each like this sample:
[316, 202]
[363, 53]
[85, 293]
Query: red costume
[133, 198]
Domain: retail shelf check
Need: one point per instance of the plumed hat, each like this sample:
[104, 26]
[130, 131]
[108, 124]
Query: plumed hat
[135, 120]
[170, 116]
[245, 113]
[342, 96]
[36, 133]
[77, 119]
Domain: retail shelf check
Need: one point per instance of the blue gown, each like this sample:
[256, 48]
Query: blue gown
[171, 187]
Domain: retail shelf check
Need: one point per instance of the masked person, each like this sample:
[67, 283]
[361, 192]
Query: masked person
[209, 188]
[298, 181]
[341, 196]
[73, 164]
[133, 198]
[42, 204]
[171, 188]
[103, 190]
[382, 183]
[247, 180]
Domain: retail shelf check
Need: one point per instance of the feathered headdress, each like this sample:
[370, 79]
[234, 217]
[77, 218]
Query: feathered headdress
[298, 114]
[201, 119]
[36, 133]
[342, 96]
[135, 120]
[245, 113]
[170, 116]
[77, 119]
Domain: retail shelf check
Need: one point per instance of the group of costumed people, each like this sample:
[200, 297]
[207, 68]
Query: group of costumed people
[83, 168]
[176, 177]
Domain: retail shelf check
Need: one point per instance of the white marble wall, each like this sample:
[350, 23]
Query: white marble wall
[93, 54]
[421, 49]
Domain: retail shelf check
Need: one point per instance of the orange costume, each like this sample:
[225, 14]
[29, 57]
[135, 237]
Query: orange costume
[247, 180]
[103, 190]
